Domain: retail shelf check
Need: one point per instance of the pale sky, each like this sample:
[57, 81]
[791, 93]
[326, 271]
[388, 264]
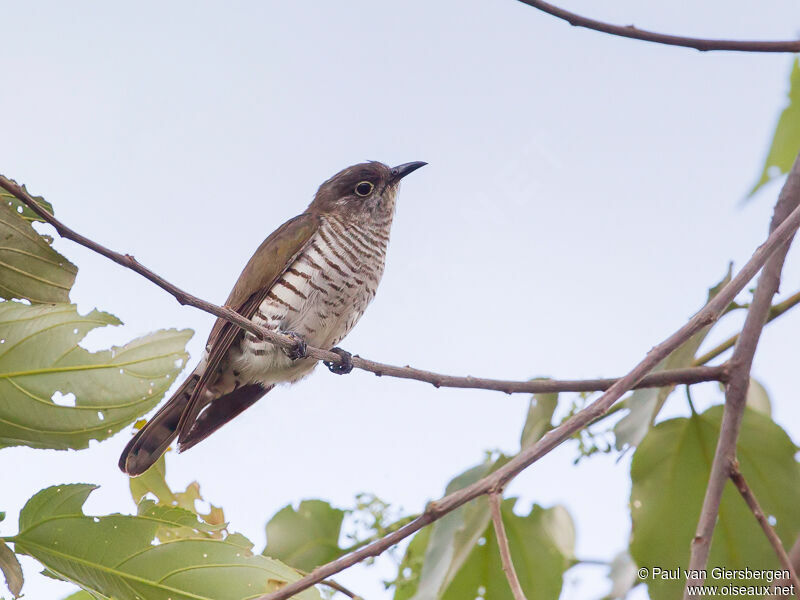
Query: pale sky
[582, 193]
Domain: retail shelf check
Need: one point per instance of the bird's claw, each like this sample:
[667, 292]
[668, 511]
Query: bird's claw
[300, 348]
[343, 367]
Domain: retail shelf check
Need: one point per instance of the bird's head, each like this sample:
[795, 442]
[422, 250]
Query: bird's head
[367, 189]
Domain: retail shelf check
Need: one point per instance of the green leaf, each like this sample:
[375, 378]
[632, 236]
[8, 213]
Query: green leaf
[538, 421]
[307, 537]
[758, 398]
[84, 595]
[645, 404]
[55, 394]
[117, 555]
[622, 575]
[29, 268]
[669, 474]
[453, 537]
[153, 481]
[11, 569]
[21, 209]
[541, 544]
[786, 139]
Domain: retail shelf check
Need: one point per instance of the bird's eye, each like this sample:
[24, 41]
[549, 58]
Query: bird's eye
[364, 188]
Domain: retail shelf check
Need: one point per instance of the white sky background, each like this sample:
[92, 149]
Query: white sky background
[583, 192]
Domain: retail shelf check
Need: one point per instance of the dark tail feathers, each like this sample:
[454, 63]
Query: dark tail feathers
[154, 438]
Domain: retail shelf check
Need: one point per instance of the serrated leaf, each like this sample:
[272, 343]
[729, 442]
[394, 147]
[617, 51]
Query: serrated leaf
[179, 522]
[786, 139]
[153, 481]
[12, 571]
[538, 421]
[307, 537]
[645, 404]
[55, 394]
[669, 474]
[116, 556]
[541, 544]
[29, 267]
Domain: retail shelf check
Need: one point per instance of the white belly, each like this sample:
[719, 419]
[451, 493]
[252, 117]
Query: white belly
[321, 297]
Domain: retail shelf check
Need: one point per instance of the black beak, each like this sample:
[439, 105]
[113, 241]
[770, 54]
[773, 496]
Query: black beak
[401, 171]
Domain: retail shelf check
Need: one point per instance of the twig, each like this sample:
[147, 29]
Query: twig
[736, 389]
[776, 311]
[744, 489]
[677, 376]
[496, 481]
[552, 439]
[794, 559]
[505, 552]
[629, 31]
[340, 588]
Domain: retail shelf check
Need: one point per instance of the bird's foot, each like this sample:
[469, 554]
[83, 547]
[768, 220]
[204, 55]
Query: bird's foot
[300, 348]
[343, 367]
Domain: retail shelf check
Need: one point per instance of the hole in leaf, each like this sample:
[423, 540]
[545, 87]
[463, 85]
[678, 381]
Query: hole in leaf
[60, 399]
[178, 363]
[481, 541]
[772, 520]
[75, 331]
[100, 415]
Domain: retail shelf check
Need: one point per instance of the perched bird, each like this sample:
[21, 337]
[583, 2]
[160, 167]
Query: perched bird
[311, 279]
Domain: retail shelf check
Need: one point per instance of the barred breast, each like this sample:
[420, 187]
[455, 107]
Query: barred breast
[320, 297]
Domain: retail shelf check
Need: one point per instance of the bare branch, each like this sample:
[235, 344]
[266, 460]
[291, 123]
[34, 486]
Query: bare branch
[629, 31]
[505, 552]
[677, 376]
[774, 541]
[794, 559]
[740, 364]
[496, 481]
[552, 439]
[776, 311]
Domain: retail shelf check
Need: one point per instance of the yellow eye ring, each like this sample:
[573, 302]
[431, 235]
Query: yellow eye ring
[364, 188]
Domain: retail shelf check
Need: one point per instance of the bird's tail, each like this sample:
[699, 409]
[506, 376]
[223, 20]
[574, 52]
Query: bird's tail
[152, 440]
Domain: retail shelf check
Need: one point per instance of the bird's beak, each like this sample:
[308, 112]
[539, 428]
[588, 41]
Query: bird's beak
[401, 171]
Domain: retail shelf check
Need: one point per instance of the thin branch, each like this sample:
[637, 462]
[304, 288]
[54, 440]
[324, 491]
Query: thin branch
[630, 31]
[677, 376]
[340, 588]
[776, 311]
[552, 439]
[774, 541]
[496, 481]
[736, 389]
[794, 559]
[505, 552]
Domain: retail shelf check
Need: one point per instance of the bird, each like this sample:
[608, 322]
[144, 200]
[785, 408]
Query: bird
[312, 280]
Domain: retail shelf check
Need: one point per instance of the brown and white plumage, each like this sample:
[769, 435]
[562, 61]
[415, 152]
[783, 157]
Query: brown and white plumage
[314, 276]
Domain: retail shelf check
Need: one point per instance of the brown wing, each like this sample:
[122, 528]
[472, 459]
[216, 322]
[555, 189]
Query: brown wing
[270, 261]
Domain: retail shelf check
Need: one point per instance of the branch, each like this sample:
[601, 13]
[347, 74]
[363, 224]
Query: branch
[776, 311]
[629, 31]
[740, 364]
[710, 313]
[744, 489]
[505, 551]
[555, 437]
[794, 559]
[677, 376]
